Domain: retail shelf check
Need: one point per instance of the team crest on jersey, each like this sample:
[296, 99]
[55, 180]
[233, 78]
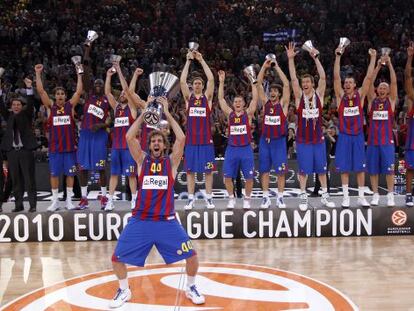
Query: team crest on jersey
[351, 103]
[381, 106]
[60, 110]
[197, 102]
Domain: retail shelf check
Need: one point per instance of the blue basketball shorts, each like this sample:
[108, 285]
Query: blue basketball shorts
[350, 153]
[381, 159]
[409, 159]
[122, 163]
[273, 153]
[311, 158]
[62, 163]
[199, 158]
[237, 158]
[92, 150]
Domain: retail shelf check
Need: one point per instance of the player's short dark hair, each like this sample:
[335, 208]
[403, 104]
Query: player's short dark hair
[277, 87]
[58, 88]
[307, 75]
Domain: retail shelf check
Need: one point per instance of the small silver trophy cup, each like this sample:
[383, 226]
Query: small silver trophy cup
[250, 74]
[161, 84]
[385, 52]
[343, 43]
[1, 71]
[92, 36]
[77, 61]
[308, 46]
[114, 59]
[193, 46]
[272, 58]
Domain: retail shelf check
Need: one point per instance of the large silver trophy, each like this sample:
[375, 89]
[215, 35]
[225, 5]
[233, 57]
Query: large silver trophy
[77, 61]
[385, 52]
[193, 46]
[308, 46]
[250, 74]
[272, 58]
[161, 84]
[114, 59]
[343, 43]
[92, 36]
[1, 71]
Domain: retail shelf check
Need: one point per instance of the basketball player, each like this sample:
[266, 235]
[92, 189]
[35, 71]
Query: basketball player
[199, 149]
[310, 144]
[409, 146]
[153, 220]
[122, 163]
[380, 151]
[350, 148]
[62, 146]
[93, 137]
[239, 153]
[272, 147]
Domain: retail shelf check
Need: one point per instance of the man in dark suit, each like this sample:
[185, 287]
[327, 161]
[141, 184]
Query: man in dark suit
[19, 142]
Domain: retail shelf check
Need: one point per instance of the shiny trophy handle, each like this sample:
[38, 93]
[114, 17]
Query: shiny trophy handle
[272, 58]
[91, 36]
[343, 43]
[308, 47]
[1, 71]
[114, 59]
[385, 52]
[77, 61]
[250, 73]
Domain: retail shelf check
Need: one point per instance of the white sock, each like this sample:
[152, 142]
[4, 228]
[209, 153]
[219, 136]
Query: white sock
[208, 196]
[191, 196]
[246, 197]
[103, 191]
[231, 197]
[84, 191]
[280, 194]
[345, 190]
[265, 194]
[123, 284]
[55, 193]
[361, 192]
[134, 196]
[110, 197]
[324, 190]
[69, 194]
[190, 280]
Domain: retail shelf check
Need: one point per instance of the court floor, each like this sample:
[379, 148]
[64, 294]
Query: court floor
[375, 273]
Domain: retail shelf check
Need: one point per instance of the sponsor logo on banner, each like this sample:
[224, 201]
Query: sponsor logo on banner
[122, 121]
[380, 115]
[399, 218]
[272, 120]
[155, 183]
[61, 120]
[96, 111]
[197, 112]
[310, 113]
[351, 111]
[238, 129]
[226, 286]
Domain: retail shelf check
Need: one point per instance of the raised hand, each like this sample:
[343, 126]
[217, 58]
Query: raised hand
[410, 49]
[222, 75]
[138, 71]
[164, 102]
[372, 52]
[110, 72]
[190, 55]
[198, 56]
[38, 68]
[28, 82]
[290, 50]
[268, 63]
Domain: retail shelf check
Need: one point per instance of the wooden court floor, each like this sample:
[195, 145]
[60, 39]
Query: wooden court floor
[375, 273]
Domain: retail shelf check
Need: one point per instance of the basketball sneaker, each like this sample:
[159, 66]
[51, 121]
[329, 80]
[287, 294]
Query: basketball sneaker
[390, 199]
[409, 200]
[231, 203]
[375, 199]
[53, 207]
[69, 205]
[303, 203]
[193, 294]
[209, 203]
[363, 202]
[83, 204]
[109, 206]
[265, 202]
[325, 200]
[120, 298]
[346, 201]
[190, 204]
[246, 204]
[104, 201]
[133, 202]
[280, 202]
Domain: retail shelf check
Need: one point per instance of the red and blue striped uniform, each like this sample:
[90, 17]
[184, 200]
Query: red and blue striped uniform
[61, 128]
[381, 119]
[309, 129]
[274, 123]
[239, 133]
[409, 145]
[122, 122]
[155, 199]
[351, 115]
[198, 121]
[95, 111]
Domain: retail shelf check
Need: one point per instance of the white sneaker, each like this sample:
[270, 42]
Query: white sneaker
[390, 199]
[53, 207]
[109, 206]
[133, 202]
[325, 200]
[363, 202]
[231, 203]
[190, 204]
[265, 202]
[210, 204]
[303, 204]
[280, 202]
[246, 204]
[346, 202]
[120, 298]
[375, 199]
[70, 206]
[193, 294]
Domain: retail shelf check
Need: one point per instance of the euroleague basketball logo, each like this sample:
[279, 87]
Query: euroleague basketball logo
[399, 218]
[156, 287]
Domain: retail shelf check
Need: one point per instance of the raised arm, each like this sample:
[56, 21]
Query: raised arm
[178, 147]
[260, 77]
[368, 78]
[408, 83]
[133, 143]
[108, 88]
[290, 51]
[133, 101]
[210, 78]
[286, 88]
[253, 103]
[138, 101]
[371, 93]
[339, 91]
[78, 93]
[87, 75]
[222, 102]
[39, 87]
[183, 78]
[322, 77]
[393, 84]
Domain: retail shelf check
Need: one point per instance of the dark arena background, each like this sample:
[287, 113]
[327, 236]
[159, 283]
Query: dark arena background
[113, 61]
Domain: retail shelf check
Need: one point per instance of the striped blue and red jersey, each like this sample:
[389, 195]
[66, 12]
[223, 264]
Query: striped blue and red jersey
[409, 145]
[381, 119]
[309, 122]
[122, 122]
[61, 127]
[351, 115]
[155, 200]
[274, 123]
[198, 121]
[239, 133]
[95, 111]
